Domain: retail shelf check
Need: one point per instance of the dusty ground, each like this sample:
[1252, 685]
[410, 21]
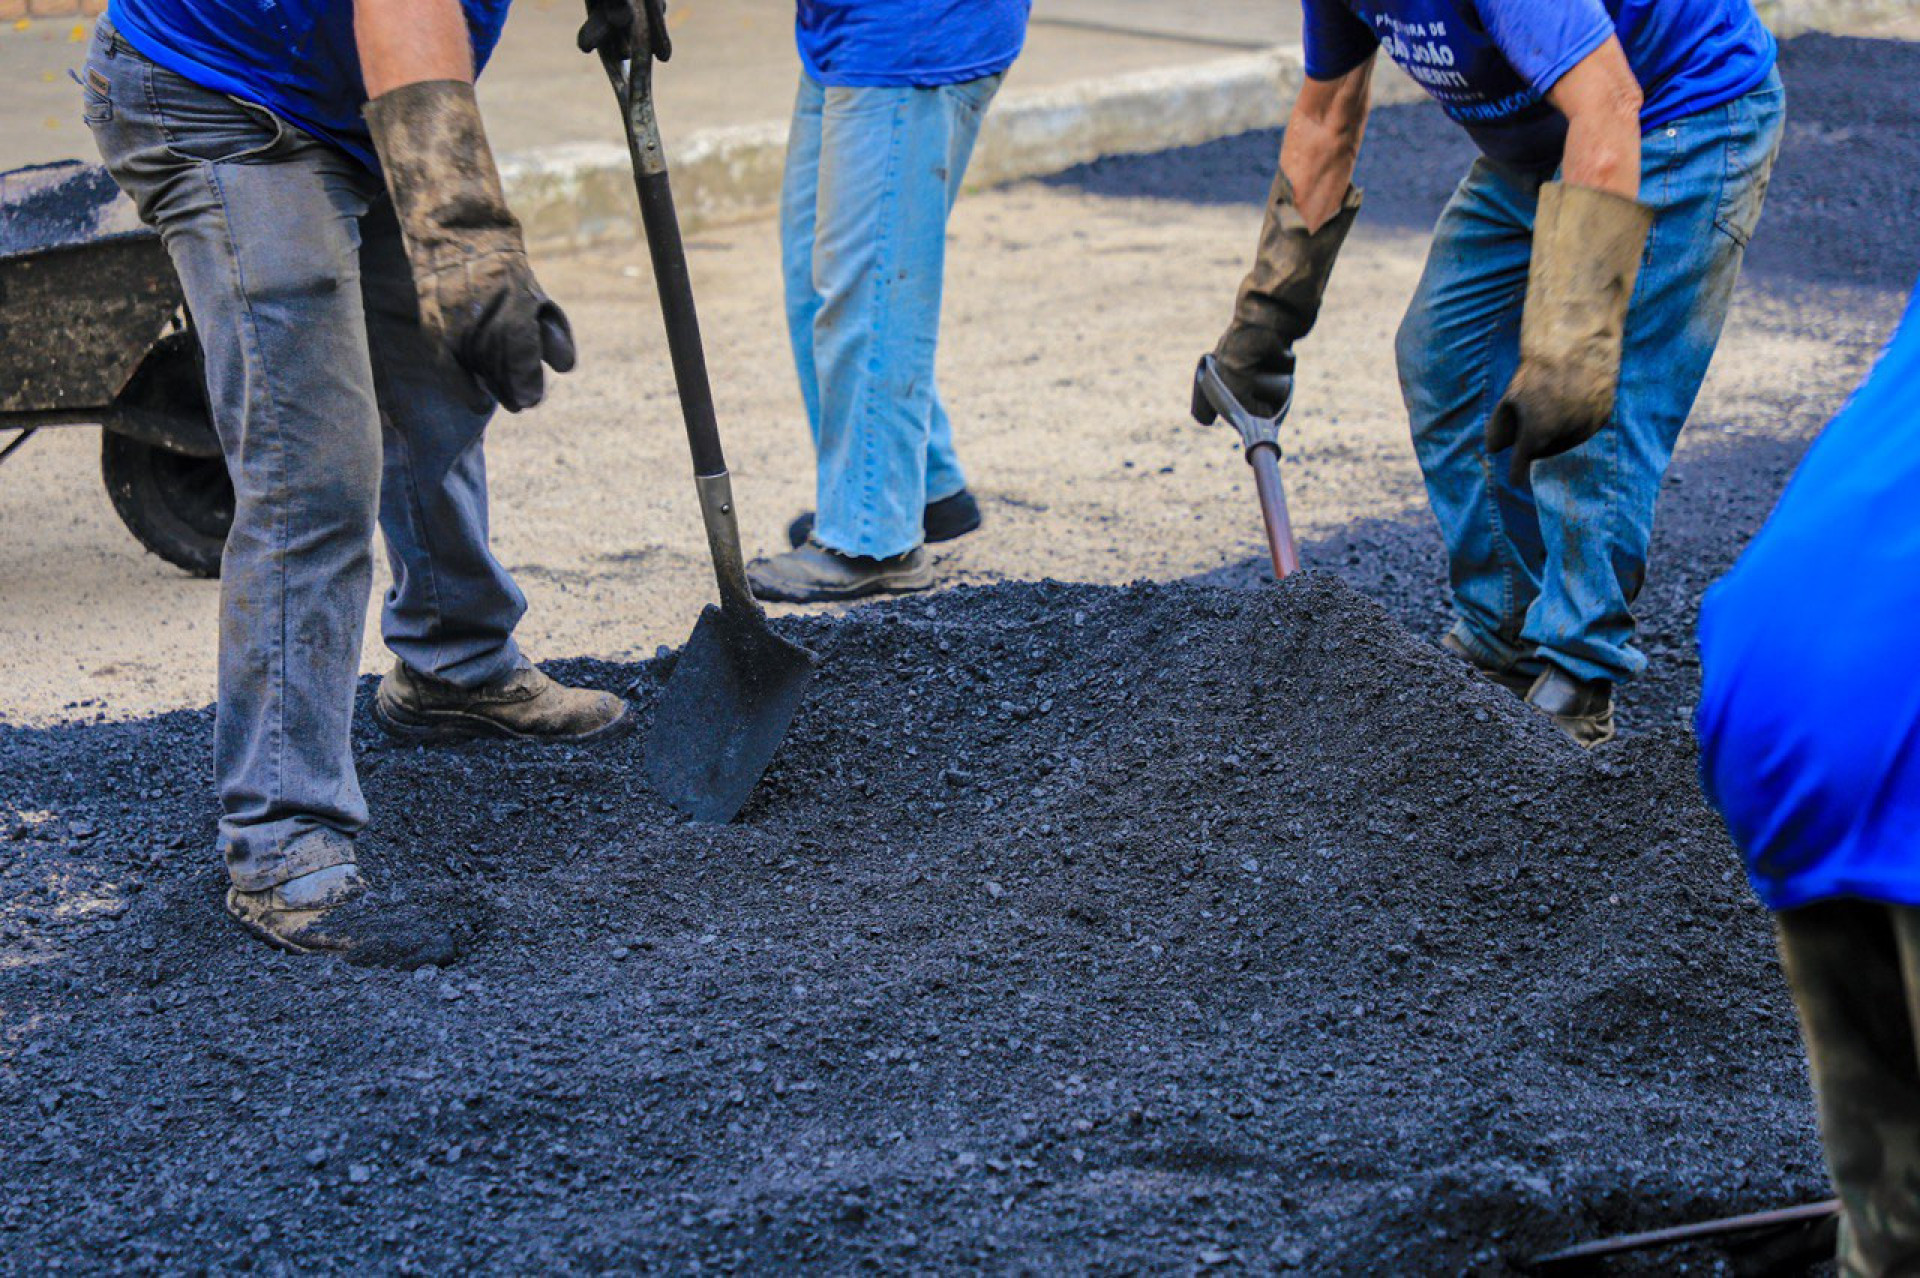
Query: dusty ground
[1159, 927]
[1074, 314]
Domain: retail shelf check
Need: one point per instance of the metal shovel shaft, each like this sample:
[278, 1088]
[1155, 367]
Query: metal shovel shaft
[1265, 460]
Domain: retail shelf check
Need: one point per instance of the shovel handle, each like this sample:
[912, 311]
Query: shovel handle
[633, 85]
[1265, 460]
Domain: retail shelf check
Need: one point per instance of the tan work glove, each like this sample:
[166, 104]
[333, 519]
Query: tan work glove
[1586, 256]
[478, 296]
[1277, 303]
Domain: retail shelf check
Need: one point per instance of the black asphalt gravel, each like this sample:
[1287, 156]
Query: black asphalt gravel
[1180, 926]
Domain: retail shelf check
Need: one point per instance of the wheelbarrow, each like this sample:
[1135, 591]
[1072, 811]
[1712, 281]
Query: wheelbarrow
[94, 331]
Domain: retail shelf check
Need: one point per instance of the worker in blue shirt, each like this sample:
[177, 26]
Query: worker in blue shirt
[318, 172]
[891, 97]
[1809, 731]
[1573, 295]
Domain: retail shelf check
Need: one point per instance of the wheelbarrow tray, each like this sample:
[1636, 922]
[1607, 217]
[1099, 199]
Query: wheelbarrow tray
[85, 291]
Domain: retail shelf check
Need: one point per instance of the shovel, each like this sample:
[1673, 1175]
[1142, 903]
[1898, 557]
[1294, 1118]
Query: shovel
[736, 686]
[1260, 438]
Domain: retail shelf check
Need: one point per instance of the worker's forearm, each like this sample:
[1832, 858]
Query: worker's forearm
[403, 42]
[1601, 100]
[1322, 143]
[1604, 154]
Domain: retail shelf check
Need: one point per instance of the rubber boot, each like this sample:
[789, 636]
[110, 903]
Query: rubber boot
[815, 574]
[944, 520]
[331, 911]
[1580, 708]
[525, 705]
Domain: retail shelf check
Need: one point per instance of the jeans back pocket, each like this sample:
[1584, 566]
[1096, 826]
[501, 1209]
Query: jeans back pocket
[96, 97]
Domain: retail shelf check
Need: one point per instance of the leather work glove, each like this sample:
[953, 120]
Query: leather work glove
[1277, 303]
[478, 297]
[626, 28]
[1586, 256]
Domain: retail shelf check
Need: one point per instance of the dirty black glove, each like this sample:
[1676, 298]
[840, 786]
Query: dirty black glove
[626, 28]
[478, 297]
[1277, 303]
[1586, 256]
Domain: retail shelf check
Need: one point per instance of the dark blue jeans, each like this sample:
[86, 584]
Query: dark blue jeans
[336, 413]
[1548, 570]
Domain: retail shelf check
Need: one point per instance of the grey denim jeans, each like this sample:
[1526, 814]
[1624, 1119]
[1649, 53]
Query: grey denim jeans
[335, 412]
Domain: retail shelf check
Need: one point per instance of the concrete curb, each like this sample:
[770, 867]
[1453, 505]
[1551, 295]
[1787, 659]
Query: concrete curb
[580, 194]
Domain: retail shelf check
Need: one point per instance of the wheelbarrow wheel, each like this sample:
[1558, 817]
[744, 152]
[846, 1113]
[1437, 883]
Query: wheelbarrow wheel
[177, 506]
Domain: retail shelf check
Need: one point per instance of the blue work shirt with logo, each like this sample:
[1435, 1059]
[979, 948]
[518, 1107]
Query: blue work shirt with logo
[296, 58]
[908, 43]
[1491, 63]
[1809, 717]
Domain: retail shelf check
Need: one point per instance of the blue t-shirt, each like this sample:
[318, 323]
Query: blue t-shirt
[916, 43]
[1491, 63]
[1809, 715]
[296, 58]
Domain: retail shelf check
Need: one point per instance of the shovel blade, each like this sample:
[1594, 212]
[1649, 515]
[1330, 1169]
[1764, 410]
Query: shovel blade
[727, 706]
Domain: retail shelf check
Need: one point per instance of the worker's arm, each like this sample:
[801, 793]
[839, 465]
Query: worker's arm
[404, 42]
[1588, 237]
[1601, 99]
[1322, 142]
[478, 296]
[1311, 207]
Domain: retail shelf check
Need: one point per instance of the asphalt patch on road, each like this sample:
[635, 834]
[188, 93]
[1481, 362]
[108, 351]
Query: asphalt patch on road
[1163, 926]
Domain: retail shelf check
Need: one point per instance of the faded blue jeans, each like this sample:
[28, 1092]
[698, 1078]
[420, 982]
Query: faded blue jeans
[871, 175]
[1549, 570]
[335, 412]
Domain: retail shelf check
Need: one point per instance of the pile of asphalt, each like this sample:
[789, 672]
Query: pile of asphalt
[1166, 926]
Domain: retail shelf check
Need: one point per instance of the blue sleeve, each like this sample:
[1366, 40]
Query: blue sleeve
[1337, 40]
[1545, 41]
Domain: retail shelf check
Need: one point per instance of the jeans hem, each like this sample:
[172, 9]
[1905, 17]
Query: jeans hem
[308, 852]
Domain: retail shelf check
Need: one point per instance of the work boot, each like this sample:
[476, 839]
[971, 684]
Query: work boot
[1514, 680]
[815, 574]
[1581, 708]
[943, 520]
[331, 911]
[526, 705]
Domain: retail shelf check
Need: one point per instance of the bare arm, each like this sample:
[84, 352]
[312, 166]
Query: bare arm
[1601, 100]
[1322, 142]
[404, 42]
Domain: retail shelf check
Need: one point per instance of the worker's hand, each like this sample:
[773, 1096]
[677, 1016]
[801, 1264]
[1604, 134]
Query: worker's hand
[478, 297]
[1278, 302]
[1258, 369]
[627, 29]
[500, 326]
[1586, 256]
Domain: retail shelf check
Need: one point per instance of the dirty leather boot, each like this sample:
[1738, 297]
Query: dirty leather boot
[815, 574]
[1583, 709]
[331, 911]
[1516, 681]
[526, 705]
[944, 520]
[1277, 303]
[1587, 246]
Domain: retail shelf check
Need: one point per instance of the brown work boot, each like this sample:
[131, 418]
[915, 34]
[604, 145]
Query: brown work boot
[526, 704]
[1516, 681]
[815, 574]
[1581, 708]
[331, 911]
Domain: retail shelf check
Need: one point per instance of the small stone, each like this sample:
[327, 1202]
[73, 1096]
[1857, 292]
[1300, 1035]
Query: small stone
[359, 1173]
[994, 890]
[619, 953]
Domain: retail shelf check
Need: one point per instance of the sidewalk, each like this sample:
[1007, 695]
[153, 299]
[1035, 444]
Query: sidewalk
[734, 65]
